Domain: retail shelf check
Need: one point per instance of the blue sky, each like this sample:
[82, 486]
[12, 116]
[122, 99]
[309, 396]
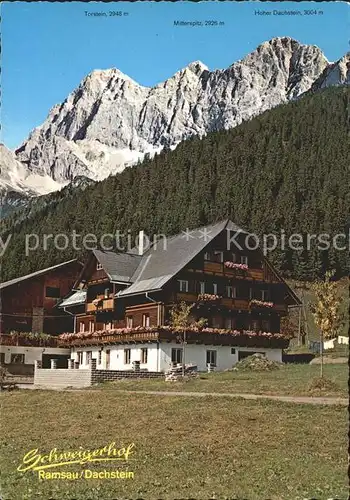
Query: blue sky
[49, 47]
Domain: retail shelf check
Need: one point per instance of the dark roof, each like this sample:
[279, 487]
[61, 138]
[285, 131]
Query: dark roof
[118, 266]
[162, 262]
[34, 275]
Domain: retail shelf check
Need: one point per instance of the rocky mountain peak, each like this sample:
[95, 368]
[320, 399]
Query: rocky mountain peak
[110, 121]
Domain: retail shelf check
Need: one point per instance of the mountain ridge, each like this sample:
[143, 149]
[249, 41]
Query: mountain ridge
[110, 121]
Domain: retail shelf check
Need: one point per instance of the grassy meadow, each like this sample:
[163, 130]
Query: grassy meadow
[189, 447]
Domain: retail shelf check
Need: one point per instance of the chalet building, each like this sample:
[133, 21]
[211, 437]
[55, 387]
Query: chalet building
[123, 301]
[28, 303]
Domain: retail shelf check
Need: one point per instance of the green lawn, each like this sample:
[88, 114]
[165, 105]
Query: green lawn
[184, 447]
[290, 379]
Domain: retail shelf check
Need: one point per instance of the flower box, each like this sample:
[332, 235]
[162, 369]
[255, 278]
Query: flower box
[254, 303]
[208, 297]
[236, 266]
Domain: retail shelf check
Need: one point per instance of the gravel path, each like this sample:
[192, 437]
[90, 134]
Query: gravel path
[287, 399]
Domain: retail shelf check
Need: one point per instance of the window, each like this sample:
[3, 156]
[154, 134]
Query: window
[2, 357]
[91, 326]
[231, 292]
[233, 350]
[80, 357]
[88, 357]
[108, 325]
[230, 323]
[201, 287]
[98, 266]
[255, 325]
[234, 257]
[215, 288]
[17, 358]
[144, 356]
[207, 256]
[211, 357]
[264, 294]
[106, 293]
[145, 320]
[250, 293]
[82, 327]
[176, 356]
[99, 358]
[129, 321]
[183, 286]
[217, 322]
[52, 292]
[218, 256]
[244, 259]
[265, 323]
[127, 356]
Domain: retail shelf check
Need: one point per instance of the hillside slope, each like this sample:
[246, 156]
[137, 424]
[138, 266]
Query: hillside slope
[285, 169]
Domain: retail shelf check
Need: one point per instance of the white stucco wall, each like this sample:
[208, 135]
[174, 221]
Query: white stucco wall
[197, 354]
[31, 354]
[117, 356]
[159, 358]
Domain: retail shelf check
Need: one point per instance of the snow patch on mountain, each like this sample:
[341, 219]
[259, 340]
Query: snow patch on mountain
[110, 121]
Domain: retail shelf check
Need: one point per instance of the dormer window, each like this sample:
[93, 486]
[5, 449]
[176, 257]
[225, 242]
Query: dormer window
[98, 266]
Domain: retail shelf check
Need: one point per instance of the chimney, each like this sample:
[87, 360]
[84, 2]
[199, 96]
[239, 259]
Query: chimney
[141, 242]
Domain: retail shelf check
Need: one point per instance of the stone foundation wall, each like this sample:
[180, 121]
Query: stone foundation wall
[55, 378]
[108, 375]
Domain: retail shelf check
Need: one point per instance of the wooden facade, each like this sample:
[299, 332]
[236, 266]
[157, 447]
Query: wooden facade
[252, 299]
[28, 304]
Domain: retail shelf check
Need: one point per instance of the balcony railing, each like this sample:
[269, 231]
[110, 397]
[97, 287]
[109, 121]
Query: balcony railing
[220, 268]
[215, 336]
[102, 305]
[28, 339]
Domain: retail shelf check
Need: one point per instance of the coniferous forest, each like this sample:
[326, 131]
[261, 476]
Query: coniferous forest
[287, 169]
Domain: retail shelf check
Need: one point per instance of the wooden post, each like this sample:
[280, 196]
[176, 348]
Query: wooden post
[321, 352]
[299, 325]
[183, 353]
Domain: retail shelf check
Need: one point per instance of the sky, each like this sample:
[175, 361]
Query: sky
[48, 48]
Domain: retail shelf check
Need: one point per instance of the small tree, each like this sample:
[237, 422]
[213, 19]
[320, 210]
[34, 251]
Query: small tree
[181, 320]
[326, 309]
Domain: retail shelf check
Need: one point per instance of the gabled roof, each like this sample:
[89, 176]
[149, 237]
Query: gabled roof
[162, 262]
[37, 273]
[118, 266]
[74, 299]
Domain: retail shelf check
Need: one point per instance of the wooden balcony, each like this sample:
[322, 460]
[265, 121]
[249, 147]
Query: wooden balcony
[113, 338]
[186, 297]
[28, 339]
[220, 268]
[104, 305]
[235, 303]
[255, 274]
[213, 267]
[280, 308]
